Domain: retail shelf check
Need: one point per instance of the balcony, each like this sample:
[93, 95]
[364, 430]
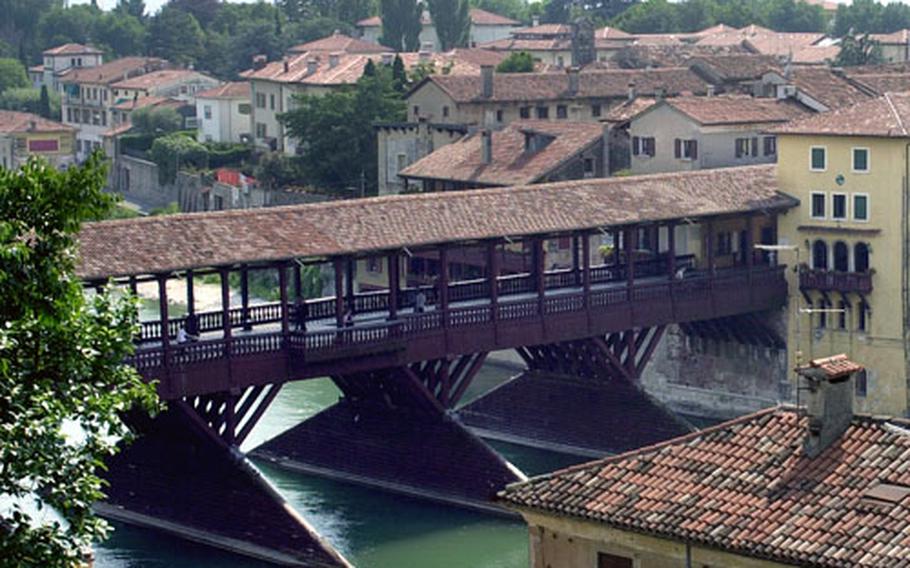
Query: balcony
[831, 281]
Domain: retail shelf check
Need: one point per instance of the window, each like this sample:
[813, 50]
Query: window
[839, 206]
[741, 147]
[860, 257]
[562, 111]
[860, 207]
[260, 100]
[842, 315]
[244, 109]
[589, 166]
[861, 160]
[595, 110]
[402, 159]
[416, 110]
[685, 149]
[818, 205]
[183, 89]
[818, 159]
[822, 314]
[861, 385]
[499, 116]
[605, 560]
[862, 322]
[543, 112]
[445, 111]
[272, 102]
[374, 265]
[820, 255]
[770, 145]
[560, 62]
[724, 243]
[207, 112]
[524, 112]
[260, 130]
[646, 146]
[841, 256]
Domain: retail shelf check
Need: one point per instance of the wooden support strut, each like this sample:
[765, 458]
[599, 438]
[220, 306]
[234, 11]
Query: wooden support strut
[394, 284]
[339, 291]
[226, 308]
[190, 293]
[493, 279]
[283, 299]
[245, 298]
[443, 285]
[165, 320]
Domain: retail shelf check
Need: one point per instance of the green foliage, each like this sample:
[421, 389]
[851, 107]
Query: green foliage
[517, 62]
[600, 11]
[176, 35]
[399, 74]
[858, 51]
[136, 142]
[662, 16]
[156, 120]
[120, 32]
[203, 11]
[171, 208]
[63, 383]
[424, 69]
[401, 24]
[226, 154]
[29, 100]
[174, 152]
[12, 75]
[276, 170]
[44, 103]
[452, 22]
[63, 25]
[335, 131]
[134, 8]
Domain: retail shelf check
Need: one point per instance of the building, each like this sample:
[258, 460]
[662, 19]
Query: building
[496, 99]
[819, 88]
[693, 133]
[88, 97]
[736, 73]
[849, 236]
[223, 113]
[339, 43]
[555, 44]
[401, 144]
[24, 135]
[485, 27]
[781, 487]
[895, 46]
[180, 84]
[523, 153]
[57, 61]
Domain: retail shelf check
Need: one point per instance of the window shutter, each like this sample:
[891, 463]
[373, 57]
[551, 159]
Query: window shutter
[677, 148]
[636, 145]
[754, 147]
[694, 155]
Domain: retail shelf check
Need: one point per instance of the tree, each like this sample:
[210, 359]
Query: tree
[858, 51]
[276, 170]
[68, 25]
[29, 100]
[12, 75]
[174, 152]
[399, 74]
[175, 35]
[401, 24]
[792, 16]
[156, 120]
[652, 16]
[336, 135]
[134, 8]
[203, 11]
[452, 22]
[515, 9]
[516, 62]
[63, 382]
[123, 33]
[44, 103]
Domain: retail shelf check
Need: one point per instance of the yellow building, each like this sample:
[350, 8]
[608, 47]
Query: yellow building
[848, 168]
[24, 135]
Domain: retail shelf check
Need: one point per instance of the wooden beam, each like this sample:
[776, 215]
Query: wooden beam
[273, 391]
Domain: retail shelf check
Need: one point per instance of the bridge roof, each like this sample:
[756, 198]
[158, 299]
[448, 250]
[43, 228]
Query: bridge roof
[178, 242]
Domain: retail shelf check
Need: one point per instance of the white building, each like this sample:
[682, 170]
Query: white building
[59, 60]
[485, 27]
[182, 84]
[223, 113]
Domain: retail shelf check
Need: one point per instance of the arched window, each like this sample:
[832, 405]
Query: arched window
[820, 255]
[842, 316]
[841, 257]
[861, 257]
[822, 314]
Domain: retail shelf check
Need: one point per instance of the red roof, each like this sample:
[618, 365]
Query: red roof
[478, 18]
[232, 90]
[72, 49]
[114, 71]
[340, 42]
[737, 109]
[884, 117]
[746, 487]
[14, 121]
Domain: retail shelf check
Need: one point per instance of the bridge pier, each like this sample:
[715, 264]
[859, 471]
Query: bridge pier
[183, 476]
[392, 430]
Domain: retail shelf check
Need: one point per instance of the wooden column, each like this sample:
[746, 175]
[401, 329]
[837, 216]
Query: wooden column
[443, 291]
[586, 266]
[394, 283]
[190, 294]
[298, 281]
[539, 271]
[245, 297]
[134, 286]
[576, 264]
[493, 278]
[349, 284]
[671, 250]
[163, 317]
[616, 233]
[749, 253]
[631, 238]
[338, 265]
[283, 298]
[226, 302]
[709, 243]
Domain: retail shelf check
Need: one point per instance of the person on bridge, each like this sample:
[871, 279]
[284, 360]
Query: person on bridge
[420, 302]
[300, 314]
[191, 323]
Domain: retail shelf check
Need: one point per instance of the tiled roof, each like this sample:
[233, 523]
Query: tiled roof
[176, 242]
[478, 18]
[737, 109]
[880, 69]
[624, 111]
[143, 102]
[639, 56]
[781, 44]
[732, 36]
[887, 116]
[827, 87]
[14, 121]
[887, 83]
[528, 44]
[553, 86]
[340, 42]
[72, 49]
[836, 367]
[901, 37]
[746, 487]
[660, 39]
[157, 78]
[114, 71]
[232, 90]
[551, 30]
[511, 165]
[815, 54]
[607, 32]
[737, 67]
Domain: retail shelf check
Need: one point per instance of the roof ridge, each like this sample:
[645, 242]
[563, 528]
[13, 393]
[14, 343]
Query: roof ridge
[895, 113]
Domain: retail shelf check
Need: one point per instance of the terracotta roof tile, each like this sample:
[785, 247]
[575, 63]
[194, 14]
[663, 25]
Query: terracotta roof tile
[607, 32]
[157, 78]
[478, 17]
[175, 242]
[511, 164]
[737, 109]
[836, 366]
[812, 54]
[143, 102]
[885, 83]
[781, 44]
[231, 90]
[745, 486]
[591, 84]
[14, 121]
[72, 49]
[828, 87]
[901, 37]
[624, 111]
[114, 71]
[736, 67]
[340, 42]
[641, 56]
[887, 116]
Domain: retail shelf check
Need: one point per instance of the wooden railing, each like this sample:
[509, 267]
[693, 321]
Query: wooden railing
[833, 281]
[698, 287]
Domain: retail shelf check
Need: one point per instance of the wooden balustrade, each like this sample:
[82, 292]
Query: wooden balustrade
[833, 281]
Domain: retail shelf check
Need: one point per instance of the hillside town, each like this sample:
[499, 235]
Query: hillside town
[497, 283]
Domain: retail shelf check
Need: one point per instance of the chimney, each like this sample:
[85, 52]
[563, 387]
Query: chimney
[424, 140]
[486, 146]
[259, 61]
[388, 58]
[535, 21]
[334, 58]
[486, 74]
[287, 65]
[423, 55]
[711, 91]
[659, 93]
[631, 91]
[829, 382]
[32, 125]
[572, 72]
[311, 65]
[426, 46]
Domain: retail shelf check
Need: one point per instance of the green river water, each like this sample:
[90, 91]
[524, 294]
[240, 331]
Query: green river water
[371, 528]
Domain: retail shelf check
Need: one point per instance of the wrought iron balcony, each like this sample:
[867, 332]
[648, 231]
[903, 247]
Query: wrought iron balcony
[833, 281]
